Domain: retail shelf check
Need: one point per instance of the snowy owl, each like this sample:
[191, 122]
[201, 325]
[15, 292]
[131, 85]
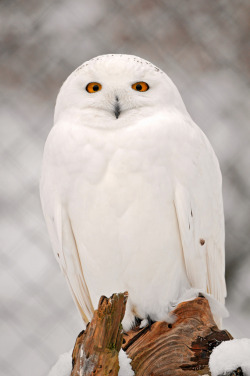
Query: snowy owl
[131, 191]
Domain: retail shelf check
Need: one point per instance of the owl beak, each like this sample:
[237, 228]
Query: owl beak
[117, 108]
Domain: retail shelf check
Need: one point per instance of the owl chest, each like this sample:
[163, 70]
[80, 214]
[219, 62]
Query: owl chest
[114, 181]
[146, 158]
[122, 198]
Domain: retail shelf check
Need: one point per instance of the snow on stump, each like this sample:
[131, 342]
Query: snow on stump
[181, 348]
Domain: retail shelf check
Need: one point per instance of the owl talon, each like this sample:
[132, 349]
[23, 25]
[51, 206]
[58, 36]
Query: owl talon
[237, 372]
[150, 322]
[137, 321]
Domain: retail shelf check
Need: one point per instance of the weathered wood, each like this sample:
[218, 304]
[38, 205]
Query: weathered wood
[181, 348]
[97, 348]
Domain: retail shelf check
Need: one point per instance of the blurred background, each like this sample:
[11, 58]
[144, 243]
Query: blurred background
[202, 45]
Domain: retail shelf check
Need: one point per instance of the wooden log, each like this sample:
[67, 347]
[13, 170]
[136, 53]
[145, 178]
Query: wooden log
[181, 348]
[97, 348]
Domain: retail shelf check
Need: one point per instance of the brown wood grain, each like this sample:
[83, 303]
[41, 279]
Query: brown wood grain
[181, 348]
[96, 349]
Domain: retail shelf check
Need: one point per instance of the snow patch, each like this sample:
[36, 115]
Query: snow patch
[125, 367]
[230, 355]
[63, 366]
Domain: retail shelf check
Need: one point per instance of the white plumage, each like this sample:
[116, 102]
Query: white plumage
[131, 191]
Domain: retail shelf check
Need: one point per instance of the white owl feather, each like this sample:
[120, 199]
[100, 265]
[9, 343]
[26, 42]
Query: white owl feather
[131, 191]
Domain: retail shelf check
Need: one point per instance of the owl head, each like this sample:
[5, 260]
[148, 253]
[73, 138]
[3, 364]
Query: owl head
[112, 91]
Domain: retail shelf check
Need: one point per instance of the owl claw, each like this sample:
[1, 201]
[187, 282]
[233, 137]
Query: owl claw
[237, 372]
[137, 321]
[150, 322]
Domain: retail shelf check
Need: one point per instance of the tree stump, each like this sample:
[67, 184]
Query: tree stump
[96, 349]
[181, 348]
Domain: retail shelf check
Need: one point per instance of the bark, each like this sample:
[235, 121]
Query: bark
[181, 348]
[96, 349]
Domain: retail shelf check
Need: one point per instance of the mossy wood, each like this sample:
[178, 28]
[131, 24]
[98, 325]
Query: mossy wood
[181, 348]
[96, 349]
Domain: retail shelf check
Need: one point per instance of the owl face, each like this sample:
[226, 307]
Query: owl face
[113, 91]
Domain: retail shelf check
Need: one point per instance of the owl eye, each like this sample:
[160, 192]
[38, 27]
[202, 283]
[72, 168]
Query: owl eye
[93, 87]
[140, 86]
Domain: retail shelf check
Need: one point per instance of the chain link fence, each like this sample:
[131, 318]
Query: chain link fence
[202, 45]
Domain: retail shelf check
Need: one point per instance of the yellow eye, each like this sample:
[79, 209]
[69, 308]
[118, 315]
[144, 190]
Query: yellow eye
[93, 87]
[140, 86]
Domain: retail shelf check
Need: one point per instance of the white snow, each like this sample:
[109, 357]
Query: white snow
[64, 365]
[229, 355]
[125, 367]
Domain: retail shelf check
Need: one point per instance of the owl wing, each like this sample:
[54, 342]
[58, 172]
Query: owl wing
[199, 210]
[65, 248]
